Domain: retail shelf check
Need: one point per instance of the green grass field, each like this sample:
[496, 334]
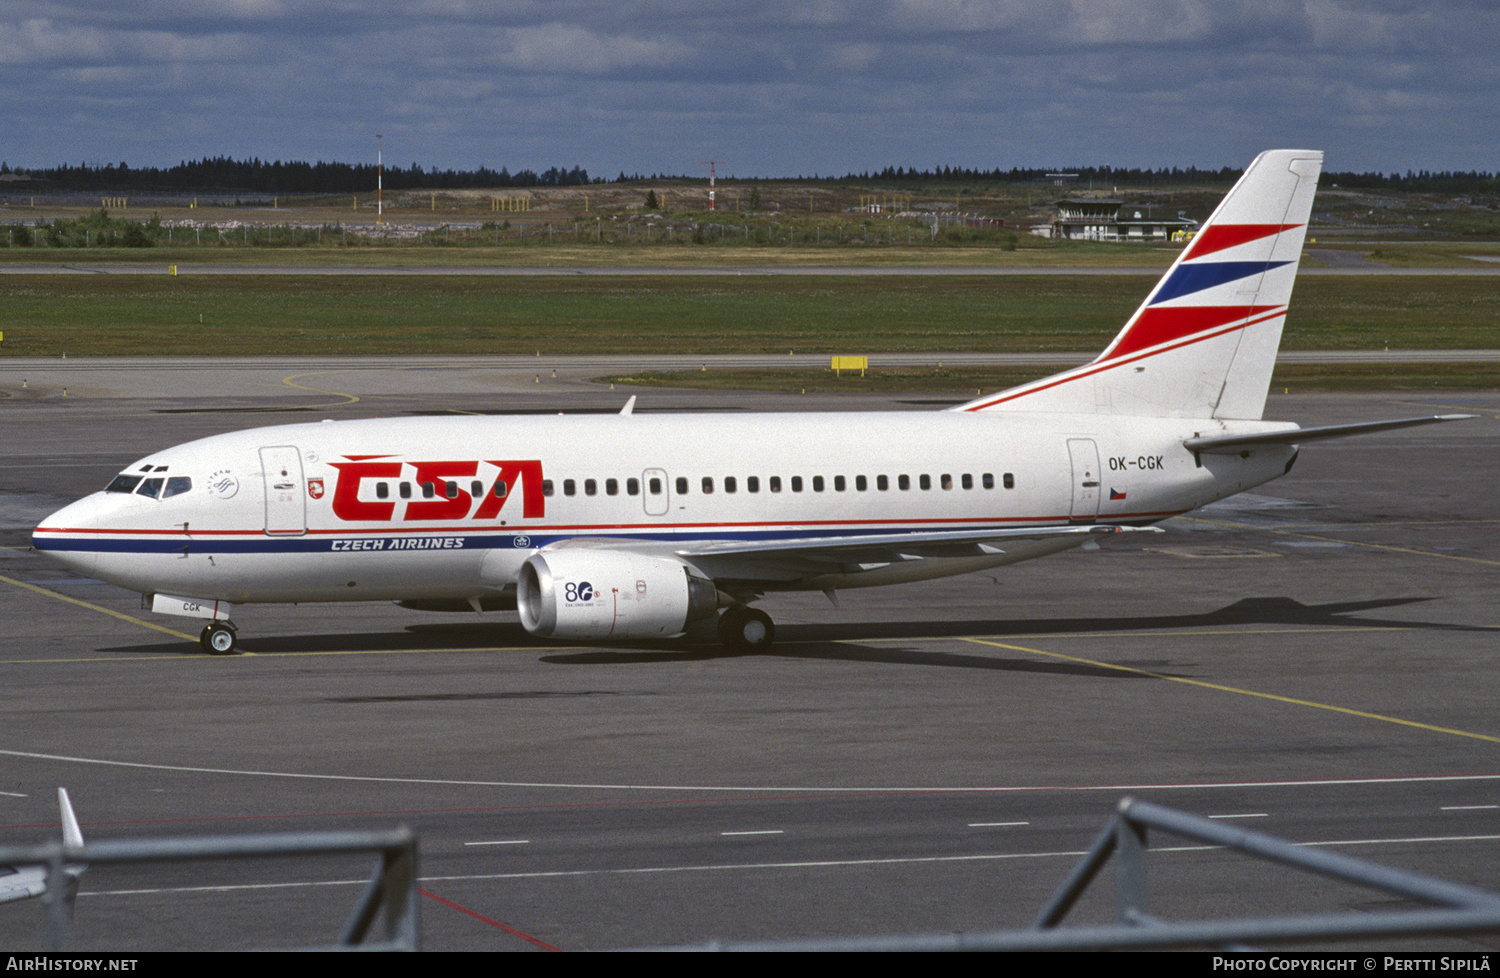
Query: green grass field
[50, 315]
[45, 315]
[1293, 378]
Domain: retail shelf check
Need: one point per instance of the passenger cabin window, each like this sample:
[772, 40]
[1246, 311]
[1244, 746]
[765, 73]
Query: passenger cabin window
[382, 490]
[546, 487]
[968, 480]
[451, 489]
[903, 482]
[752, 483]
[682, 485]
[569, 487]
[405, 492]
[500, 489]
[796, 483]
[838, 483]
[817, 483]
[730, 485]
[708, 484]
[882, 483]
[775, 483]
[1010, 481]
[429, 490]
[612, 487]
[925, 481]
[861, 483]
[590, 487]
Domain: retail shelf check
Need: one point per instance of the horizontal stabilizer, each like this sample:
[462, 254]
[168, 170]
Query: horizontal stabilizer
[1236, 444]
[72, 834]
[23, 882]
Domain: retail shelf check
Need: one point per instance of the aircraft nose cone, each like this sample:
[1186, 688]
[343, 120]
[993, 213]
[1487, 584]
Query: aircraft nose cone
[63, 536]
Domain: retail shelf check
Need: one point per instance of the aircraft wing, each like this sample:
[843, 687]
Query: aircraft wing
[1235, 444]
[21, 884]
[898, 546]
[781, 562]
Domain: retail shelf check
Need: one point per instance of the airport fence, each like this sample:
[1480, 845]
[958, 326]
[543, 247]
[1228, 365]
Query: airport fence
[1453, 908]
[384, 919]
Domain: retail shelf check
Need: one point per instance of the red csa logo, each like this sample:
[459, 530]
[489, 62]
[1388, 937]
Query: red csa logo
[522, 477]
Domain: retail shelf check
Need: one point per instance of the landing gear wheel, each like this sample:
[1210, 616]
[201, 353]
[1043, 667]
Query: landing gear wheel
[746, 629]
[219, 638]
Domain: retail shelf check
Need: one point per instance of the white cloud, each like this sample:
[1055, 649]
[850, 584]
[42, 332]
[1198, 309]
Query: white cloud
[569, 48]
[825, 85]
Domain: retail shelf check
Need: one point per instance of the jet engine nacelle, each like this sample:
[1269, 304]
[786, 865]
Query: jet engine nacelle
[610, 594]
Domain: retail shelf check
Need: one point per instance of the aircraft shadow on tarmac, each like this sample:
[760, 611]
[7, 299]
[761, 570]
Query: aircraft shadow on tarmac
[837, 641]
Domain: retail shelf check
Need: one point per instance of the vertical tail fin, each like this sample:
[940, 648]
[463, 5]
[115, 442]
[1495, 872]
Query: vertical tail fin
[1204, 342]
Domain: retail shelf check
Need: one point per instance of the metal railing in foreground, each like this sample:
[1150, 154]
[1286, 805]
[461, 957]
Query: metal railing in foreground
[387, 907]
[1456, 909]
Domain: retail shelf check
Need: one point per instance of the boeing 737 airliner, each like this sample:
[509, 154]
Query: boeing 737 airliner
[628, 527]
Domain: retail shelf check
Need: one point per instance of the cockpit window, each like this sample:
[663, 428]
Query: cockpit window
[177, 485]
[123, 483]
[150, 487]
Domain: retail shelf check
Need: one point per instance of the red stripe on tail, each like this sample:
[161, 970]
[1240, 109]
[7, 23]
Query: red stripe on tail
[1163, 325]
[1217, 237]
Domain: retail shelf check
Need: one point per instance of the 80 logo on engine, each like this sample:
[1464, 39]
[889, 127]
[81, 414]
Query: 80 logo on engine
[582, 591]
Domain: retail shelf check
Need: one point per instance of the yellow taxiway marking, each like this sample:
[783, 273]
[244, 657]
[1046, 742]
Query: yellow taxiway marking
[96, 607]
[47, 592]
[1240, 692]
[348, 398]
[186, 656]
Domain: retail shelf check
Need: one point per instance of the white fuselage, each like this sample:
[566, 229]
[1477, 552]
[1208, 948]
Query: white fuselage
[405, 509]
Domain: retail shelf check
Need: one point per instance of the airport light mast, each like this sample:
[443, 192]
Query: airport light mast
[711, 182]
[379, 179]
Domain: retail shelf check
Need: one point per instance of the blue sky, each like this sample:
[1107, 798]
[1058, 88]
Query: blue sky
[772, 89]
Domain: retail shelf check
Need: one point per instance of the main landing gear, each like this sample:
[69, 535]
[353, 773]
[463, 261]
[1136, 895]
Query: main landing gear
[219, 638]
[746, 629]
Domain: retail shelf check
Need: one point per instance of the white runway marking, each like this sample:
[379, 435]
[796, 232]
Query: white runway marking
[501, 842]
[824, 789]
[730, 867]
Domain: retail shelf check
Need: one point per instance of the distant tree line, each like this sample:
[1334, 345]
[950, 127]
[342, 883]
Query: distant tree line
[263, 176]
[1444, 181]
[1107, 175]
[1418, 181]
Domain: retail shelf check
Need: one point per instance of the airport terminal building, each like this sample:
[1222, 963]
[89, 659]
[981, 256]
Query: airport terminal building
[1104, 219]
